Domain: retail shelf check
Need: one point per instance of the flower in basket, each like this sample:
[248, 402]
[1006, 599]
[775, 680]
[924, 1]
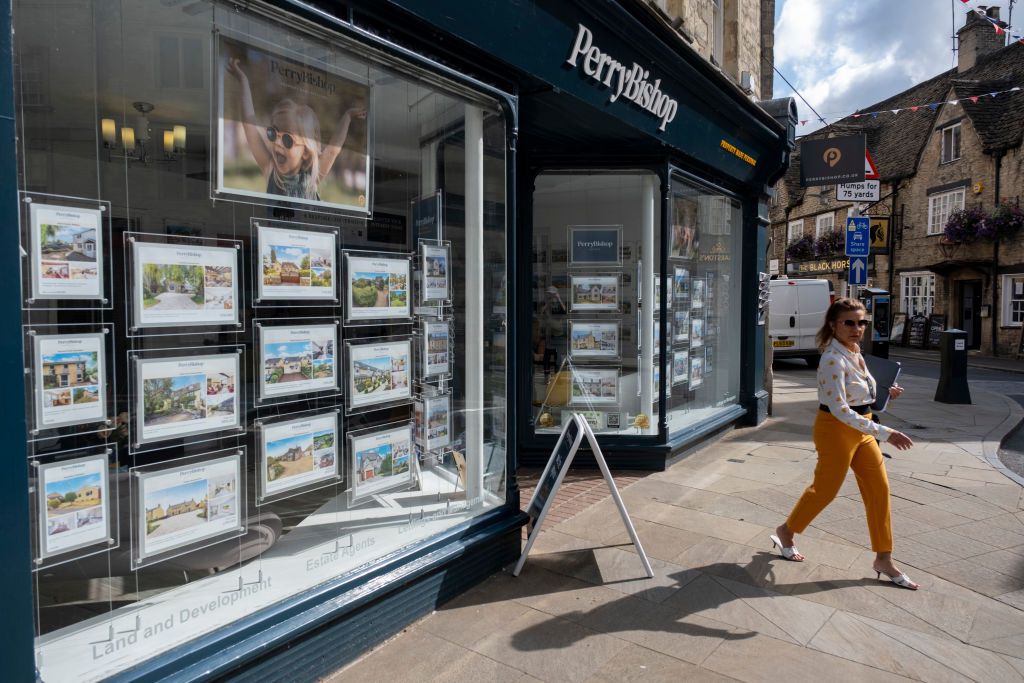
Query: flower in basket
[966, 225]
[830, 243]
[546, 420]
[641, 421]
[1005, 221]
[800, 249]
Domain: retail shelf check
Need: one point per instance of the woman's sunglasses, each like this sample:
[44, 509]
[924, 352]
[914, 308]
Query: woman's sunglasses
[856, 323]
[286, 138]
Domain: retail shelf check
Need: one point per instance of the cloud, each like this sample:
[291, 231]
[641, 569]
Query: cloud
[843, 56]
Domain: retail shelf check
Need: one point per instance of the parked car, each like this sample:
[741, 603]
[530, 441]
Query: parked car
[795, 314]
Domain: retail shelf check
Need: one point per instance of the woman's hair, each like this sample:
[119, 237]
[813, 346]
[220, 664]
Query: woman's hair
[839, 307]
[300, 120]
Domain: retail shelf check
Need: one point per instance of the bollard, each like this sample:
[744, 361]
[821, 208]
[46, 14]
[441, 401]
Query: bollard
[953, 375]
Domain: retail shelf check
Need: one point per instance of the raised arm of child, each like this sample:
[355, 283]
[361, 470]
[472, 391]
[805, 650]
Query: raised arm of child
[255, 134]
[333, 148]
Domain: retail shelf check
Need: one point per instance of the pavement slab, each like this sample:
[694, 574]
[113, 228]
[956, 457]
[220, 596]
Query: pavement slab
[723, 604]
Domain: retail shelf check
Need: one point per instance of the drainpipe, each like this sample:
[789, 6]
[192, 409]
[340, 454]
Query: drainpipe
[995, 267]
[892, 247]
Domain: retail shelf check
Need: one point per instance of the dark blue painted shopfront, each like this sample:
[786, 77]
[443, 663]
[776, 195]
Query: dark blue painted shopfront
[524, 124]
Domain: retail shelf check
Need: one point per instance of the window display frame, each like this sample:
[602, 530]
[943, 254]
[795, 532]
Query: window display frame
[30, 275]
[134, 327]
[422, 414]
[263, 299]
[426, 323]
[138, 477]
[260, 326]
[34, 391]
[357, 438]
[404, 315]
[336, 478]
[592, 308]
[218, 190]
[352, 406]
[615, 355]
[424, 247]
[138, 358]
[573, 230]
[106, 457]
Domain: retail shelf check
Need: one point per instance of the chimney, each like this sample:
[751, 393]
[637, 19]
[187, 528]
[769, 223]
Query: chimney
[977, 38]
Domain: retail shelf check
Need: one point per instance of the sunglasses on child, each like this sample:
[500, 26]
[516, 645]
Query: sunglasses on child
[855, 323]
[286, 138]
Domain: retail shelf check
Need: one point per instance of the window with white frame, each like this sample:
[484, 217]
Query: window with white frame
[1013, 300]
[794, 231]
[940, 206]
[917, 293]
[718, 26]
[951, 143]
[824, 224]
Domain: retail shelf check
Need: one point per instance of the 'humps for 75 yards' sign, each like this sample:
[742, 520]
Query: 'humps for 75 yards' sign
[629, 82]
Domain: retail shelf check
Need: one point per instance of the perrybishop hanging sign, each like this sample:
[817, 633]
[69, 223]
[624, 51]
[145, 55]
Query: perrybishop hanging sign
[629, 82]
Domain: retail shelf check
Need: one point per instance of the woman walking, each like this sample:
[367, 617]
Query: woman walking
[846, 438]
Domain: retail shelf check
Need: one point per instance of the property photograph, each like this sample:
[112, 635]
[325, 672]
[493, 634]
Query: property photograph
[56, 398]
[176, 508]
[372, 375]
[218, 276]
[73, 494]
[173, 399]
[173, 286]
[52, 270]
[289, 456]
[67, 243]
[594, 339]
[596, 386]
[369, 289]
[595, 293]
[377, 287]
[287, 362]
[85, 395]
[70, 369]
[286, 265]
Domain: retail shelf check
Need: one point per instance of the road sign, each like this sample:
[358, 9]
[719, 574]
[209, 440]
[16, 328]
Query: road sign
[870, 171]
[858, 270]
[827, 161]
[868, 191]
[858, 236]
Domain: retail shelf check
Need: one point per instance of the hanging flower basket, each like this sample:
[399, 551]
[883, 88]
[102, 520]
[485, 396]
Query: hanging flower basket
[1005, 222]
[830, 243]
[965, 226]
[800, 249]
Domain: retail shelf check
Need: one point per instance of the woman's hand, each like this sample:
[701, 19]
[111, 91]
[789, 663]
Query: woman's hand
[356, 113]
[895, 391]
[900, 440]
[235, 69]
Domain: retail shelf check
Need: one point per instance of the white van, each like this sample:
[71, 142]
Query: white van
[795, 314]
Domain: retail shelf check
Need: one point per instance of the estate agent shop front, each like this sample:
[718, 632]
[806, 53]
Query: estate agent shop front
[301, 285]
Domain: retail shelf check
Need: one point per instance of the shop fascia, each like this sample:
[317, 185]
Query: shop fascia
[629, 82]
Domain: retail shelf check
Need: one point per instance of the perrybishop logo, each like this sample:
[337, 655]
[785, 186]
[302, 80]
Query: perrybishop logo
[832, 156]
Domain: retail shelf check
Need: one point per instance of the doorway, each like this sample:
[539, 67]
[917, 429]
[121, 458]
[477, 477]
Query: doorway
[970, 306]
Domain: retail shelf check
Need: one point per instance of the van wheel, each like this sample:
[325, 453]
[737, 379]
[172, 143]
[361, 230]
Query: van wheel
[813, 361]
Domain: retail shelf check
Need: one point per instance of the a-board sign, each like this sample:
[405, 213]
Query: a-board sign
[936, 324]
[573, 433]
[918, 327]
[899, 328]
[567, 445]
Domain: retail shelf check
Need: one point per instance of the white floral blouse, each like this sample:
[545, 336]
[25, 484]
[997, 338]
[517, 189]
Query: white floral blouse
[842, 383]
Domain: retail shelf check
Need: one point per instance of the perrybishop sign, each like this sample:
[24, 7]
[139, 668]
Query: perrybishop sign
[832, 161]
[630, 82]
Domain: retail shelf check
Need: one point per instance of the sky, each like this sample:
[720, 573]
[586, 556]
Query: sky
[844, 55]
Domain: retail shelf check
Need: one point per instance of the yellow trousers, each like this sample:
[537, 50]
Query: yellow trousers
[841, 448]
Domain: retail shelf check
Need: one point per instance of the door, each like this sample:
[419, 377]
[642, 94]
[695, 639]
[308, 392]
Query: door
[970, 303]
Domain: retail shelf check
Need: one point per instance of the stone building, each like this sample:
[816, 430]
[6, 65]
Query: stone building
[944, 144]
[731, 34]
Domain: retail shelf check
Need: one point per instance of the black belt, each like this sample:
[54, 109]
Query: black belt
[860, 410]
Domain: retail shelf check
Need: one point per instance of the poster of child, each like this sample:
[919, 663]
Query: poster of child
[685, 236]
[290, 131]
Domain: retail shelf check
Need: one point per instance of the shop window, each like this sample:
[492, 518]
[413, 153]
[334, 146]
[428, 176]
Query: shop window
[1013, 300]
[951, 143]
[266, 317]
[824, 224]
[596, 293]
[917, 293]
[702, 345]
[794, 231]
[940, 206]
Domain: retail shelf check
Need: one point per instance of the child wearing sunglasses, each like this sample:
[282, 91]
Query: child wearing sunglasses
[846, 438]
[289, 151]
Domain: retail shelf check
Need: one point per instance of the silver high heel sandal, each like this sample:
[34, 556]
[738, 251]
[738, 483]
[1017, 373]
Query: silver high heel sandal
[787, 553]
[903, 581]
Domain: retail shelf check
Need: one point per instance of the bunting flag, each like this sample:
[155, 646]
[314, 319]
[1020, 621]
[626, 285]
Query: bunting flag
[1000, 27]
[931, 106]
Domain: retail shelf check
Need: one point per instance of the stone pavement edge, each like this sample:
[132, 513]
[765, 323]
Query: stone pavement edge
[723, 605]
